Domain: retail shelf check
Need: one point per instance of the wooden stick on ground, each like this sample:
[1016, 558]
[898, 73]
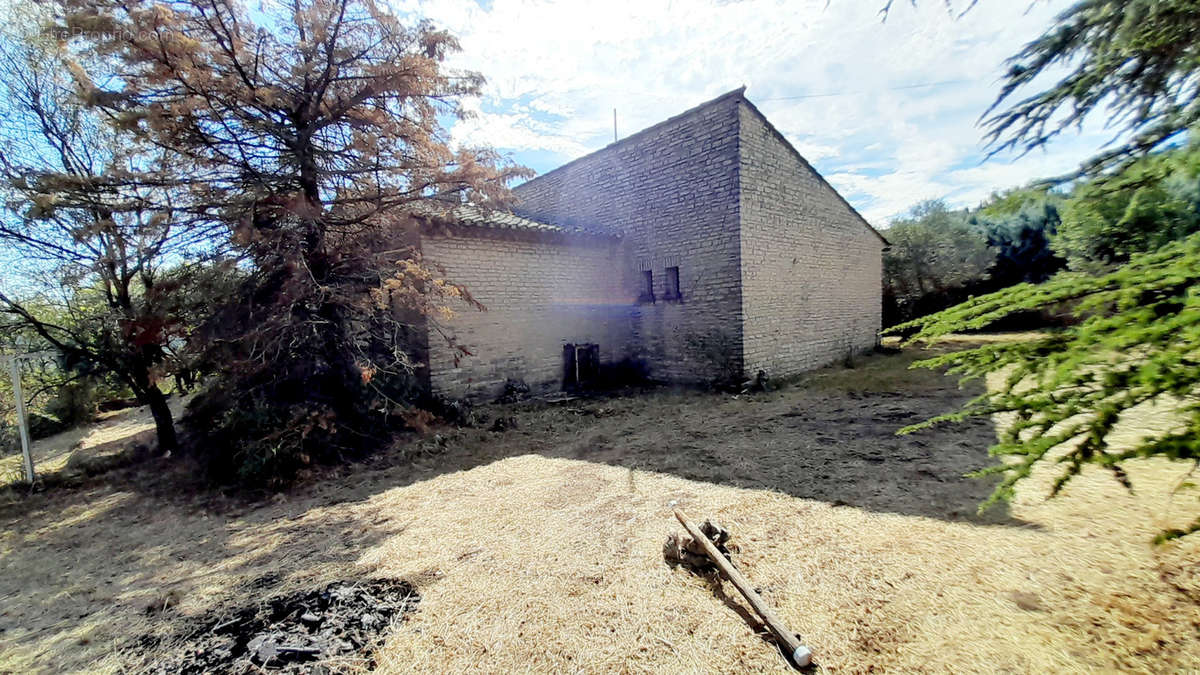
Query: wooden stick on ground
[801, 655]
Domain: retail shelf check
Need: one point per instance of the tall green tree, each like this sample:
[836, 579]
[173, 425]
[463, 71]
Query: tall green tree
[935, 251]
[96, 256]
[1154, 201]
[1020, 226]
[934, 248]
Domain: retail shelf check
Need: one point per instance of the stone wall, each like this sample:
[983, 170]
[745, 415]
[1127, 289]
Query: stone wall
[776, 272]
[671, 192]
[811, 267]
[540, 292]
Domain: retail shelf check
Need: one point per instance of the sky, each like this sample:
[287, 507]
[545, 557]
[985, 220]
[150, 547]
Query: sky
[887, 111]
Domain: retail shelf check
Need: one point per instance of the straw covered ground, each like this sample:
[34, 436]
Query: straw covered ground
[539, 549]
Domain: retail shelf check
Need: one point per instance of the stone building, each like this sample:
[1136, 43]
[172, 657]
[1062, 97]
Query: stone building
[704, 247]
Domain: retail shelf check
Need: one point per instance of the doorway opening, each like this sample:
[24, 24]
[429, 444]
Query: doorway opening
[581, 365]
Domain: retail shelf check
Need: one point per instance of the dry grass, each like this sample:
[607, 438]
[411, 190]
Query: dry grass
[64, 452]
[540, 550]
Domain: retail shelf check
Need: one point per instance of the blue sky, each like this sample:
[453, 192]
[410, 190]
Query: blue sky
[886, 111]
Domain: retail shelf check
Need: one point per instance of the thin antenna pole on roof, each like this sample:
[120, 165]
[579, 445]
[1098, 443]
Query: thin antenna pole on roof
[614, 125]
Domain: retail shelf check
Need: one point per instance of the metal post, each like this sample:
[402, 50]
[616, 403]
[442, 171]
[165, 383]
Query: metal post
[22, 423]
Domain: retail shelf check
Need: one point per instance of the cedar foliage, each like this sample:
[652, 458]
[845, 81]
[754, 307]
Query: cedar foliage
[1131, 60]
[313, 130]
[1137, 340]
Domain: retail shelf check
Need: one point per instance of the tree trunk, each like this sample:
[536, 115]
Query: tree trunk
[164, 422]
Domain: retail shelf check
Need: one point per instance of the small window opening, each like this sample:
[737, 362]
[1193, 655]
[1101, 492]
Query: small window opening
[647, 287]
[673, 284]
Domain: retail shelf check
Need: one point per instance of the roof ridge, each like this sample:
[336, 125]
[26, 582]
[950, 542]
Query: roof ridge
[740, 92]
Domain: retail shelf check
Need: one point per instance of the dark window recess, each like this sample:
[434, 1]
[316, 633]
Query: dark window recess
[581, 365]
[647, 287]
[673, 284]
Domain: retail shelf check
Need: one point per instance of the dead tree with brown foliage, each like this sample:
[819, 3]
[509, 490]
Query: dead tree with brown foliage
[312, 128]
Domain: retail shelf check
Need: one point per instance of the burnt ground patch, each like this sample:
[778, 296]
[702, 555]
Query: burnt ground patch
[332, 629]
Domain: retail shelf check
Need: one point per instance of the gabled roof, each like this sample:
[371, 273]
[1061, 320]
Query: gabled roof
[736, 93]
[740, 94]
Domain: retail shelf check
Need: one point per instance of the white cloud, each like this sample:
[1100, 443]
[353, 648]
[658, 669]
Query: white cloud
[556, 70]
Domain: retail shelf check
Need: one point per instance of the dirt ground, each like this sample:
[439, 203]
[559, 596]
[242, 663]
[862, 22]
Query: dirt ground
[539, 549]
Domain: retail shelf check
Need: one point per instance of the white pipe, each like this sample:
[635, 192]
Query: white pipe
[22, 423]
